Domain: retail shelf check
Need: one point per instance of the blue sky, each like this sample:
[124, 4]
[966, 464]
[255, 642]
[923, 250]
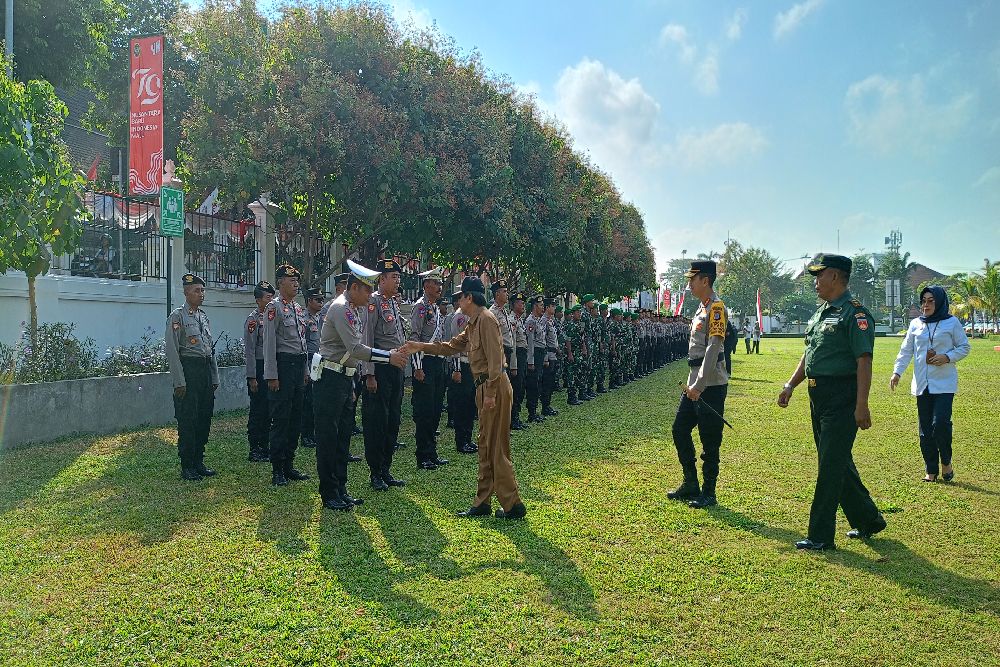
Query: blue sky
[782, 124]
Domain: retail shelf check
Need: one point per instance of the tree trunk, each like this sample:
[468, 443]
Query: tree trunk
[32, 313]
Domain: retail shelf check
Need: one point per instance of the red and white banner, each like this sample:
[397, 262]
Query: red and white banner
[665, 304]
[760, 320]
[145, 118]
[680, 302]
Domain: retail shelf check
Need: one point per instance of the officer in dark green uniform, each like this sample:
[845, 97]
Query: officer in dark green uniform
[840, 338]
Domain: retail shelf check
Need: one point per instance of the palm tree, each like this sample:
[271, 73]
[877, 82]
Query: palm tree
[966, 290]
[989, 291]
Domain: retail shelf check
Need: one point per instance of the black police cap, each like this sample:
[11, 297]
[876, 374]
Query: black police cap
[191, 279]
[701, 267]
[825, 261]
[286, 271]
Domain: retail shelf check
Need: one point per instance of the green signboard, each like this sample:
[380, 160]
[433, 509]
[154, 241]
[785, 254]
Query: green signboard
[171, 212]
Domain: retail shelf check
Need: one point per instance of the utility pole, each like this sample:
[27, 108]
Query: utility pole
[894, 241]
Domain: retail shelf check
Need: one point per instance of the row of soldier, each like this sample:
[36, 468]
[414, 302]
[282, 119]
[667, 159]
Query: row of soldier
[586, 349]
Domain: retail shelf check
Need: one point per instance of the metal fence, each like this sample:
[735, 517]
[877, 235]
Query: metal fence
[224, 252]
[121, 241]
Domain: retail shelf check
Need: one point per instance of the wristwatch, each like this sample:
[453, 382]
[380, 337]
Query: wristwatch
[789, 386]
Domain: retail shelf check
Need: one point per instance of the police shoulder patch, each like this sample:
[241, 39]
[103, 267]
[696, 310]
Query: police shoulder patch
[856, 303]
[371, 307]
[177, 325]
[270, 312]
[863, 324]
[252, 326]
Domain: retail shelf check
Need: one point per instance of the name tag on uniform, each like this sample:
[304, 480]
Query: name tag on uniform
[832, 320]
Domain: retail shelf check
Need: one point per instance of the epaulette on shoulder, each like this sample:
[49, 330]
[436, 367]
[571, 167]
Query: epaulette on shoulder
[856, 303]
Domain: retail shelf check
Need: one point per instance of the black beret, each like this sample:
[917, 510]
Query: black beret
[473, 284]
[313, 293]
[498, 285]
[389, 266]
[286, 271]
[702, 267]
[341, 278]
[824, 261]
[191, 279]
[264, 286]
[519, 296]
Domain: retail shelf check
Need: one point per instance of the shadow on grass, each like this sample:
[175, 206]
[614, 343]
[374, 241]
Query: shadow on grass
[346, 550]
[24, 472]
[974, 488]
[568, 589]
[896, 563]
[140, 492]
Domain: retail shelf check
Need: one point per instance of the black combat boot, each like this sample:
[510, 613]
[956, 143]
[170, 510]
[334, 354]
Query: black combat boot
[689, 488]
[707, 496]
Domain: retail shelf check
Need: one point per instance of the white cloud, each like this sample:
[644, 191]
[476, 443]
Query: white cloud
[889, 114]
[408, 15]
[673, 33]
[734, 26]
[724, 144]
[612, 117]
[787, 22]
[706, 75]
[989, 179]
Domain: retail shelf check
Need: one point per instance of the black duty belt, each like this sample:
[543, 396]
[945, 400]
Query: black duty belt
[508, 350]
[696, 363]
[552, 349]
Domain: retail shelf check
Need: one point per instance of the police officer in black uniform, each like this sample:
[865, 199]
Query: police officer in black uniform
[195, 377]
[840, 340]
[259, 419]
[285, 372]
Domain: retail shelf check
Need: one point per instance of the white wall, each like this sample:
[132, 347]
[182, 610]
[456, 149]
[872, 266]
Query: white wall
[112, 312]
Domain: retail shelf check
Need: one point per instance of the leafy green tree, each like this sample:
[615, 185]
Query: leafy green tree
[989, 291]
[745, 270]
[863, 282]
[41, 210]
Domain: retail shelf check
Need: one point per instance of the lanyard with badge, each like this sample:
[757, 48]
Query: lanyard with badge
[930, 337]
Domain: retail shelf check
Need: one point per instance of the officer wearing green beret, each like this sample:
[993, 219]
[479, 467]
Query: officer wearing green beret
[574, 333]
[195, 376]
[840, 339]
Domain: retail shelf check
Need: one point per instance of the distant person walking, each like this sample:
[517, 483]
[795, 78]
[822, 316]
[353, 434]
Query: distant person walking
[756, 337]
[747, 334]
[936, 342]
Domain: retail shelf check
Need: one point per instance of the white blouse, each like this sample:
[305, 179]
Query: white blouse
[944, 337]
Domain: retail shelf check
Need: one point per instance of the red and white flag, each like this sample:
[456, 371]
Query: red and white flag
[680, 302]
[760, 321]
[92, 174]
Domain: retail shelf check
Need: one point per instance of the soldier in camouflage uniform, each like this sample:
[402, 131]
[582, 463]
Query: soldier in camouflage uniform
[584, 369]
[560, 371]
[604, 349]
[573, 331]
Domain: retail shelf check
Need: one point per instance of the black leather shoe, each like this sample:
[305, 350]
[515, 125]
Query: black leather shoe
[392, 481]
[550, 412]
[585, 396]
[859, 534]
[378, 484]
[190, 474]
[702, 502]
[357, 430]
[427, 465]
[440, 461]
[468, 448]
[592, 395]
[337, 503]
[258, 456]
[437, 434]
[476, 510]
[308, 443]
[278, 479]
[203, 471]
[688, 490]
[295, 475]
[574, 401]
[518, 511]
[601, 390]
[536, 419]
[353, 458]
[450, 424]
[518, 426]
[809, 545]
[348, 498]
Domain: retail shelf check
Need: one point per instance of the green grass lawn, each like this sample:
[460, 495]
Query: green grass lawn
[107, 558]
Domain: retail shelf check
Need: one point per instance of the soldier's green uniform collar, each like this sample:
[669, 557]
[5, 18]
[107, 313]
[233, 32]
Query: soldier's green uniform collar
[840, 300]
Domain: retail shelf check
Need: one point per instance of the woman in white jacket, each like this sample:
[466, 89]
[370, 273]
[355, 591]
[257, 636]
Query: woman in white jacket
[935, 341]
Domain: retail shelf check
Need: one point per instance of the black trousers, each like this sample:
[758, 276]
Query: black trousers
[380, 415]
[306, 429]
[426, 401]
[462, 402]
[259, 419]
[286, 410]
[934, 414]
[194, 411]
[533, 381]
[517, 383]
[548, 384]
[831, 406]
[334, 418]
[691, 414]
